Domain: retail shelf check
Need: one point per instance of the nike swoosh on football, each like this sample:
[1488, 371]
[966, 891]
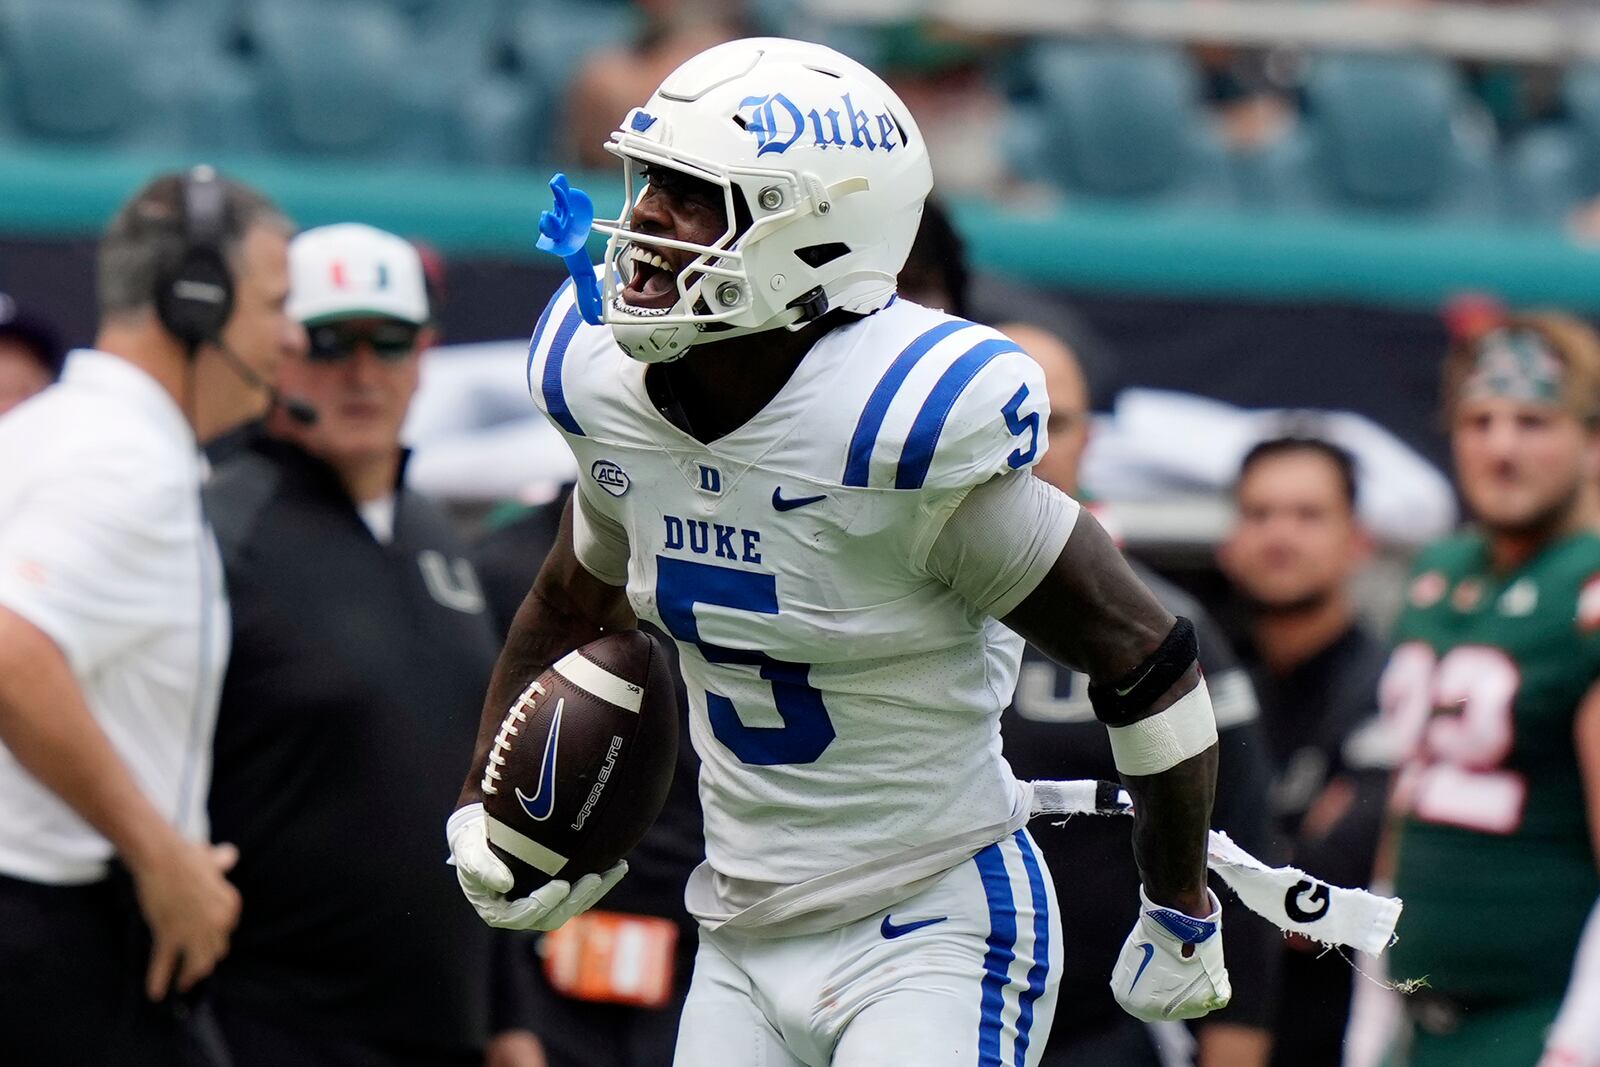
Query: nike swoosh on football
[1149, 954]
[543, 802]
[891, 931]
[790, 504]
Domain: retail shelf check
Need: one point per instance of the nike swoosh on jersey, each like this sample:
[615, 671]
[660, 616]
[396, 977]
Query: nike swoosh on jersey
[543, 802]
[791, 503]
[891, 931]
[1149, 954]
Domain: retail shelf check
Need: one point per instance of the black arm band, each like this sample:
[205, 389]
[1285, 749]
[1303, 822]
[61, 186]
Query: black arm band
[1128, 699]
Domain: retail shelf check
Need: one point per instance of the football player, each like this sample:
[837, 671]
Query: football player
[823, 494]
[1491, 694]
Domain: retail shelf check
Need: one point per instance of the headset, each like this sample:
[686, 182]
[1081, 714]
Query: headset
[195, 298]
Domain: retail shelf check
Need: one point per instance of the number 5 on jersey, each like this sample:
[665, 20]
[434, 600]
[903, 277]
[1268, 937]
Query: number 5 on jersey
[806, 731]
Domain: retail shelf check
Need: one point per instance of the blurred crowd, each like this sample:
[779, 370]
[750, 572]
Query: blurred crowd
[518, 83]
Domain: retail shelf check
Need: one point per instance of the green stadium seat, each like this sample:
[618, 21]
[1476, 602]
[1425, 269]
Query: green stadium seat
[72, 76]
[455, 40]
[548, 39]
[1556, 167]
[340, 79]
[1550, 169]
[1388, 135]
[1120, 122]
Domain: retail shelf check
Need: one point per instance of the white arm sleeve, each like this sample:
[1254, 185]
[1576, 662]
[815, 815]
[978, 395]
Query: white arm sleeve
[600, 541]
[1001, 539]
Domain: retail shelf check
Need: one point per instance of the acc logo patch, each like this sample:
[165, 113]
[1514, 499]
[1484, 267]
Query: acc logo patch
[610, 477]
[1427, 589]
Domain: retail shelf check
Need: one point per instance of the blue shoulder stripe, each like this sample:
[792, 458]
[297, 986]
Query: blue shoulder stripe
[1040, 971]
[538, 330]
[917, 456]
[999, 955]
[858, 466]
[555, 397]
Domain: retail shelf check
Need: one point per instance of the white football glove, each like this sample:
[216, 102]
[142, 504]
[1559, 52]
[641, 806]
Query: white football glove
[486, 880]
[1153, 980]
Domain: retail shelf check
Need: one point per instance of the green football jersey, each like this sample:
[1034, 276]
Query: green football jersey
[1495, 862]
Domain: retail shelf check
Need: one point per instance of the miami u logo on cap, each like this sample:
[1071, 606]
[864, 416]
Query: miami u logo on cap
[342, 279]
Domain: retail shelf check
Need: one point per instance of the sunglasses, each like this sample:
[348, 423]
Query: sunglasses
[392, 341]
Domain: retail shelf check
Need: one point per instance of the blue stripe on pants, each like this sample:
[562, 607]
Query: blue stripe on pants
[1041, 947]
[1002, 951]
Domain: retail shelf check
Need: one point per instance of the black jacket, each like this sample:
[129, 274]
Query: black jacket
[347, 722]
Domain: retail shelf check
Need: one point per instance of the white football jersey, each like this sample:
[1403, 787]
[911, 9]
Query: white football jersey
[845, 704]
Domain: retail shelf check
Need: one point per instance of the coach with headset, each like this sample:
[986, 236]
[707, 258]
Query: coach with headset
[114, 630]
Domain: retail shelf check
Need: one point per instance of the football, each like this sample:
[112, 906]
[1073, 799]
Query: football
[583, 760]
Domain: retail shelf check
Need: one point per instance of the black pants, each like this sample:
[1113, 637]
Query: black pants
[1122, 1042]
[1313, 1008]
[72, 963]
[577, 1033]
[255, 1039]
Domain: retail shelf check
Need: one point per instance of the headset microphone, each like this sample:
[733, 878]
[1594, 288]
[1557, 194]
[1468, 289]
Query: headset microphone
[297, 409]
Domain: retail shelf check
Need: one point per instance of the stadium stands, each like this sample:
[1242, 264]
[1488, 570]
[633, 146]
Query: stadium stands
[1125, 122]
[1385, 134]
[480, 84]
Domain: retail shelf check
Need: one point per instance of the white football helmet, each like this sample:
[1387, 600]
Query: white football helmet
[823, 172]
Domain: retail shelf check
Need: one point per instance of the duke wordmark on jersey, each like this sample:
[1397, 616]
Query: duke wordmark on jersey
[700, 537]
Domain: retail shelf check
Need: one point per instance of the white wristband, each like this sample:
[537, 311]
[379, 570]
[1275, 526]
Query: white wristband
[1167, 738]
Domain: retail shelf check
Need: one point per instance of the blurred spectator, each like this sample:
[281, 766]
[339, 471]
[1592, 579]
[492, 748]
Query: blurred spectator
[362, 647]
[1293, 550]
[30, 355]
[607, 1031]
[612, 82]
[1492, 699]
[936, 275]
[1050, 731]
[114, 635]
[942, 76]
[1252, 109]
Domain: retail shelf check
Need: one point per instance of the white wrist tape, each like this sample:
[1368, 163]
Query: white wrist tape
[1167, 738]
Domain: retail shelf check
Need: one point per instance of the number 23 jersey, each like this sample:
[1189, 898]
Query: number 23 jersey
[1495, 862]
[845, 704]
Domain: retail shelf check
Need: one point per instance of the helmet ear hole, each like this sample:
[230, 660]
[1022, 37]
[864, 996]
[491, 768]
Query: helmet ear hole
[815, 256]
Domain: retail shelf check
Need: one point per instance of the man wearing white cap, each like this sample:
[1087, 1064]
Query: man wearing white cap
[361, 650]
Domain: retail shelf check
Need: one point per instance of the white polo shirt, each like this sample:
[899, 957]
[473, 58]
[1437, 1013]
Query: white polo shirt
[103, 546]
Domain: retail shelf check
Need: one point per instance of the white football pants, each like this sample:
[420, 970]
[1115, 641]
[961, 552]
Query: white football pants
[963, 974]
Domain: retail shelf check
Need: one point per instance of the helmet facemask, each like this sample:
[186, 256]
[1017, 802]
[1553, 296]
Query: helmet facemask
[715, 291]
